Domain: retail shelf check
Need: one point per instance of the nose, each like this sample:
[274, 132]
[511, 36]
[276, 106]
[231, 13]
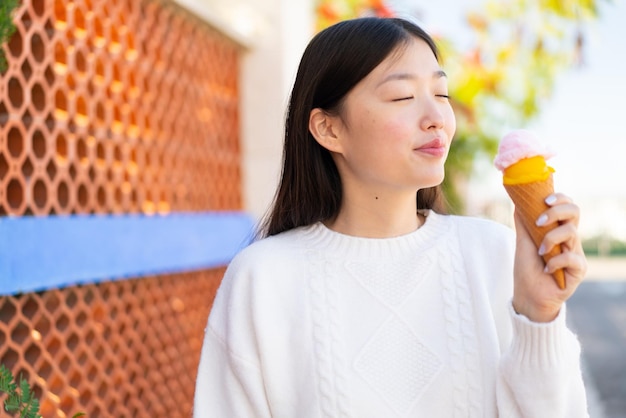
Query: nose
[432, 117]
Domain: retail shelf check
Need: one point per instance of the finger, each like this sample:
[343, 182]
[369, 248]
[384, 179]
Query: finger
[563, 212]
[573, 264]
[558, 199]
[565, 235]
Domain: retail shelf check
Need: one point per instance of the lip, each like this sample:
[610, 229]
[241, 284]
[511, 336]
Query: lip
[436, 148]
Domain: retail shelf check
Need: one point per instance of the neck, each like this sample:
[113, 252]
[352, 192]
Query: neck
[372, 215]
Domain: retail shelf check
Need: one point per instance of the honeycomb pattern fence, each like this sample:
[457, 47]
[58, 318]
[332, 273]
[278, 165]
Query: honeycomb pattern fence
[115, 107]
[126, 348]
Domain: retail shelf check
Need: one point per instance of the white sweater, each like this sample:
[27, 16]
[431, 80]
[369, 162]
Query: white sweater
[313, 323]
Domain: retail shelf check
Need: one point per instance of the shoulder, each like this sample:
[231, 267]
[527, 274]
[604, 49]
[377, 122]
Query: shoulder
[269, 251]
[266, 262]
[484, 232]
[488, 250]
[487, 247]
[264, 267]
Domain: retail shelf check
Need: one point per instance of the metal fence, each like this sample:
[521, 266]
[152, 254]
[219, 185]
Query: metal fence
[115, 107]
[127, 348]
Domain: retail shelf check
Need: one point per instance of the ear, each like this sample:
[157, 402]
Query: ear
[324, 128]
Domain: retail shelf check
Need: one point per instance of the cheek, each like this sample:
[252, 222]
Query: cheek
[450, 123]
[376, 141]
[378, 130]
[397, 128]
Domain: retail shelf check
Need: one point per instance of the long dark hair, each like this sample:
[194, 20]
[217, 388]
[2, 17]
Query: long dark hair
[335, 60]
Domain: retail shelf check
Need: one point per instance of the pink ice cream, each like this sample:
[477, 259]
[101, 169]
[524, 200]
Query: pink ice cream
[517, 145]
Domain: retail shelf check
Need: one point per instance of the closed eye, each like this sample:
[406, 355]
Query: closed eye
[444, 96]
[402, 98]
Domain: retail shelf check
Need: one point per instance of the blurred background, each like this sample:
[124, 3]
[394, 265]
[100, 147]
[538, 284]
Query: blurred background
[140, 141]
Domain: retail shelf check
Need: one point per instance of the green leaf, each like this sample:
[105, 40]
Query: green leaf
[25, 389]
[31, 409]
[5, 379]
[7, 27]
[12, 403]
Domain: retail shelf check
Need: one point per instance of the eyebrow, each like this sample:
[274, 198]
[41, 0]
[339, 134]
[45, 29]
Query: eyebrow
[410, 76]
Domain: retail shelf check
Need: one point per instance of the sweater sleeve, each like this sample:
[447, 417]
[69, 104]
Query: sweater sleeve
[229, 381]
[227, 386]
[540, 375]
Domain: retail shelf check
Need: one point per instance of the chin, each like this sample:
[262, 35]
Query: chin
[433, 180]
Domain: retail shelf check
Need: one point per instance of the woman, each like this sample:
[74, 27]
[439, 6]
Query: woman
[363, 299]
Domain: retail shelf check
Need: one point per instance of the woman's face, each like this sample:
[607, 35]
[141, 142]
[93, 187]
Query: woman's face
[395, 126]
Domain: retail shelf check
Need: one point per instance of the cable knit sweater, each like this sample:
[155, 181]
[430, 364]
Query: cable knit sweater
[313, 323]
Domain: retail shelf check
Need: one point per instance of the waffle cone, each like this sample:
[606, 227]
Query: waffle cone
[529, 203]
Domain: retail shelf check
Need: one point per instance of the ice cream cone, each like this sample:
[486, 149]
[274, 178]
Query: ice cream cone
[527, 179]
[529, 203]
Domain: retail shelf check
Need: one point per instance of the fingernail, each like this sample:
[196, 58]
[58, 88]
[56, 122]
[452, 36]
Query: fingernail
[542, 249]
[542, 220]
[550, 199]
[545, 269]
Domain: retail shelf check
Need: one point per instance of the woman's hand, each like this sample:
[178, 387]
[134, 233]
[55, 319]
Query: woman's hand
[536, 294]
